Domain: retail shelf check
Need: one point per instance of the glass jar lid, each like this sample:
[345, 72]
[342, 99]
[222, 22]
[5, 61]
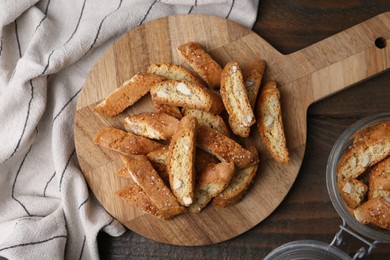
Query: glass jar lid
[307, 249]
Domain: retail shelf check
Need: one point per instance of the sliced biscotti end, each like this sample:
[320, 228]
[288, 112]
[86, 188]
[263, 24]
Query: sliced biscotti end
[152, 125]
[186, 94]
[270, 123]
[379, 179]
[352, 191]
[127, 94]
[202, 63]
[235, 99]
[238, 186]
[167, 109]
[136, 197]
[124, 142]
[181, 161]
[211, 182]
[370, 147]
[375, 211]
[253, 75]
[143, 173]
[209, 119]
[224, 148]
[173, 71]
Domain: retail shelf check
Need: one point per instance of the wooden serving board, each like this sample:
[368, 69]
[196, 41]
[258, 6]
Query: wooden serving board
[303, 77]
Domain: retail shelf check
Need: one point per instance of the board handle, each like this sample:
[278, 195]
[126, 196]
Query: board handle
[344, 59]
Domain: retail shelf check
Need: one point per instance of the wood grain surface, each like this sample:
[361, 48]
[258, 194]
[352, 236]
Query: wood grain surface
[306, 213]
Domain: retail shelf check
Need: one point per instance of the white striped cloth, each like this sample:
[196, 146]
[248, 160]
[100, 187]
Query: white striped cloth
[47, 48]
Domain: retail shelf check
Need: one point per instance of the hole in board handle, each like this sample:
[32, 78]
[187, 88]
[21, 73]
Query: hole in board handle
[380, 42]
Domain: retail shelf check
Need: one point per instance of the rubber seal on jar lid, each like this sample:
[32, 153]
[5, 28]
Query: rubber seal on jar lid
[307, 249]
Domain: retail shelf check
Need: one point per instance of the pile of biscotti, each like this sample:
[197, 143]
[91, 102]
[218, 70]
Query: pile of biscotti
[183, 155]
[363, 174]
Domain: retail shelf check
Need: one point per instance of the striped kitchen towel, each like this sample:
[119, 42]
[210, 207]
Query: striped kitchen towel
[47, 48]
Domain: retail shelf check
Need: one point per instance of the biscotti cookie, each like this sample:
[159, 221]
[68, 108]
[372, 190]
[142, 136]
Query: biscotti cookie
[203, 159]
[352, 191]
[379, 179]
[126, 95]
[238, 186]
[136, 197]
[253, 75]
[235, 99]
[208, 119]
[167, 109]
[124, 142]
[202, 63]
[173, 71]
[224, 148]
[186, 94]
[270, 124]
[181, 161]
[148, 179]
[371, 146]
[374, 211]
[211, 182]
[152, 125]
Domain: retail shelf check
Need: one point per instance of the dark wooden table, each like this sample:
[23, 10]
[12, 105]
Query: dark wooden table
[306, 212]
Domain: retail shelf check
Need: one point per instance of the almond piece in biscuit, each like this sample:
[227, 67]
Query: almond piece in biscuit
[270, 124]
[253, 75]
[181, 161]
[371, 146]
[173, 71]
[224, 148]
[152, 125]
[143, 173]
[126, 95]
[186, 94]
[352, 191]
[211, 182]
[202, 63]
[235, 99]
[136, 197]
[206, 118]
[123, 142]
[238, 186]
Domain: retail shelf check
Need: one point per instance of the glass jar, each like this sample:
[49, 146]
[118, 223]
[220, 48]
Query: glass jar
[368, 234]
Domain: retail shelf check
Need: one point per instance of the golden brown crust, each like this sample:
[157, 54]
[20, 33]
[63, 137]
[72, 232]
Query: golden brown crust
[235, 99]
[181, 161]
[224, 148]
[379, 179]
[202, 63]
[253, 75]
[173, 71]
[136, 197]
[375, 211]
[148, 179]
[208, 119]
[167, 109]
[370, 146]
[126, 95]
[152, 125]
[186, 94]
[270, 123]
[238, 186]
[211, 182]
[123, 142]
[203, 159]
